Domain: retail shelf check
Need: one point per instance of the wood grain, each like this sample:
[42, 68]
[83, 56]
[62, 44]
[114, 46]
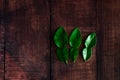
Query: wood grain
[109, 19]
[28, 26]
[70, 14]
[1, 52]
[27, 40]
[1, 41]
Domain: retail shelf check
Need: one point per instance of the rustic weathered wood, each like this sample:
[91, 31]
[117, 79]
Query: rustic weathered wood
[109, 26]
[1, 41]
[70, 14]
[1, 52]
[27, 40]
[25, 28]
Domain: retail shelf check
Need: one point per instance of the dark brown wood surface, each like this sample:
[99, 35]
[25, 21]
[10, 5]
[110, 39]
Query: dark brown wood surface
[27, 51]
[70, 14]
[109, 37]
[27, 40]
[1, 42]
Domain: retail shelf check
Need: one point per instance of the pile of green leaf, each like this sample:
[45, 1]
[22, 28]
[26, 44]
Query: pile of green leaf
[61, 40]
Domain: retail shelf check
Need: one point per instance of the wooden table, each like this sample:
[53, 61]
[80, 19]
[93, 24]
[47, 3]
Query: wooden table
[27, 51]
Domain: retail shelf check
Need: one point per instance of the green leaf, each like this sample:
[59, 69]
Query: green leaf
[86, 53]
[62, 54]
[60, 37]
[75, 38]
[91, 40]
[74, 54]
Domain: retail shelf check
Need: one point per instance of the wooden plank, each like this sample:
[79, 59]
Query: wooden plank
[109, 19]
[72, 13]
[1, 52]
[1, 41]
[27, 40]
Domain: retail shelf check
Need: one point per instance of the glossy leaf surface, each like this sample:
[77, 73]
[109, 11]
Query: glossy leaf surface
[86, 53]
[74, 54]
[75, 38]
[91, 40]
[60, 37]
[62, 54]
